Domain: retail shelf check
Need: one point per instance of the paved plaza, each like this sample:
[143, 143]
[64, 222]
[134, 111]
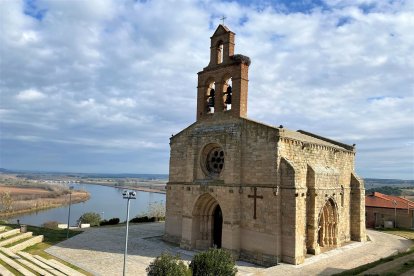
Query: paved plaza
[100, 251]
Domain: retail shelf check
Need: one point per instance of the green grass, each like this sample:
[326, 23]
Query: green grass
[405, 233]
[362, 268]
[9, 268]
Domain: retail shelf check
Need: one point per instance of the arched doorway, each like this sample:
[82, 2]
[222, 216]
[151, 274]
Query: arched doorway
[328, 224]
[207, 223]
[217, 226]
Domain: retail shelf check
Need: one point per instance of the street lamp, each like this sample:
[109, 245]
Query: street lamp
[70, 203]
[127, 195]
[395, 213]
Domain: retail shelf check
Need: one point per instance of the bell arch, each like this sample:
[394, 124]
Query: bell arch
[207, 222]
[328, 224]
[227, 92]
[210, 96]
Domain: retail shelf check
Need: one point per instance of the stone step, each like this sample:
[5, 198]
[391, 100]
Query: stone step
[14, 264]
[5, 272]
[26, 244]
[40, 264]
[16, 238]
[9, 233]
[2, 228]
[59, 266]
[28, 264]
[34, 267]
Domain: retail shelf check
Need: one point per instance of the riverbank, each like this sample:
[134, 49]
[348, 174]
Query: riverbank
[158, 187]
[17, 201]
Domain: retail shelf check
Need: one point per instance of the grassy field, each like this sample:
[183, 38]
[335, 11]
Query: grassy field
[392, 265]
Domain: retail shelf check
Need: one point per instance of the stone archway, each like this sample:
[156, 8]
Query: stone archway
[207, 223]
[328, 225]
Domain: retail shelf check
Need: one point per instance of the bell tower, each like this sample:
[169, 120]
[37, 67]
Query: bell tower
[223, 84]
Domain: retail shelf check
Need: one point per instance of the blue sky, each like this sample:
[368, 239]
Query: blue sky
[100, 85]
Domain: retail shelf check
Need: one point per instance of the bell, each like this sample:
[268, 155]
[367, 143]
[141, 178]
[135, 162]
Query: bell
[228, 95]
[212, 92]
[211, 102]
[228, 99]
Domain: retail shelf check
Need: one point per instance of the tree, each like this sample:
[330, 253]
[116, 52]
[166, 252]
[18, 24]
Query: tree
[92, 218]
[156, 209]
[213, 262]
[6, 202]
[168, 265]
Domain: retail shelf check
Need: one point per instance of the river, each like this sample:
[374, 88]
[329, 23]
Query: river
[104, 200]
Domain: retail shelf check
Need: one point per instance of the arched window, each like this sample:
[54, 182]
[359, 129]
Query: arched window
[227, 93]
[219, 52]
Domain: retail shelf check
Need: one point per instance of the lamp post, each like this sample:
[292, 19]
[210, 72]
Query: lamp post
[128, 195]
[395, 213]
[70, 203]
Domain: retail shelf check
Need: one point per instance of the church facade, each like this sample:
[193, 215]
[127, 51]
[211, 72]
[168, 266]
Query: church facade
[267, 194]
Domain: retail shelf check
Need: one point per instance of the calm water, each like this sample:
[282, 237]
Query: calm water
[107, 201]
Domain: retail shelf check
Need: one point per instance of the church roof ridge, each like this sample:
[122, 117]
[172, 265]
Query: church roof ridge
[220, 29]
[305, 136]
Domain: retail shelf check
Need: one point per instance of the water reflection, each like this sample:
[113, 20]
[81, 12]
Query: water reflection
[104, 200]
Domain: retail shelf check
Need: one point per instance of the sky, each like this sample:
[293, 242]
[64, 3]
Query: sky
[101, 85]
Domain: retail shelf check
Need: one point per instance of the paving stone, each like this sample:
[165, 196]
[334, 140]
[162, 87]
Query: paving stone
[100, 251]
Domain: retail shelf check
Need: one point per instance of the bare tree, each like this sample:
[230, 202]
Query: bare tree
[6, 202]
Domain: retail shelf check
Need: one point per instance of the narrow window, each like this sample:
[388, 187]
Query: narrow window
[219, 52]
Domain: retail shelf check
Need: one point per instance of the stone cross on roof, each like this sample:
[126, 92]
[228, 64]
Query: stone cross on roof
[222, 18]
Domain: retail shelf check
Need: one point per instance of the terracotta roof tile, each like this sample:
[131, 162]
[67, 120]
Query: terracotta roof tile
[386, 201]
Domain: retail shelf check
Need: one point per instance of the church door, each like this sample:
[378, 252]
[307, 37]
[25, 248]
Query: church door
[327, 233]
[217, 226]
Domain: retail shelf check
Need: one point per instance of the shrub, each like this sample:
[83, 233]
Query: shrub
[92, 218]
[142, 219]
[213, 262]
[112, 221]
[50, 224]
[168, 265]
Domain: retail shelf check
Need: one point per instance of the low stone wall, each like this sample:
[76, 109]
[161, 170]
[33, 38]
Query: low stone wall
[26, 244]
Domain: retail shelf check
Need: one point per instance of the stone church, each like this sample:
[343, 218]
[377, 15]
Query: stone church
[268, 194]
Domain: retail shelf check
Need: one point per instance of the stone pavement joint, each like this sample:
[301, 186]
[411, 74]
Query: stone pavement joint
[100, 251]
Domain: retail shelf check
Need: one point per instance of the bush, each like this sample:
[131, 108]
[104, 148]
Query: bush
[168, 265]
[112, 221]
[50, 224]
[92, 218]
[213, 262]
[142, 219]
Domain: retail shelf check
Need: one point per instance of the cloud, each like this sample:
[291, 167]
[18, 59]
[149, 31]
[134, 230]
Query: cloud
[30, 95]
[86, 80]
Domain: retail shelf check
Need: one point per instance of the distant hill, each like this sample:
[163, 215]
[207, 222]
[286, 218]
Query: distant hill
[376, 182]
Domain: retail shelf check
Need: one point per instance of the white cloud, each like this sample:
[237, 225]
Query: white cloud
[30, 95]
[108, 73]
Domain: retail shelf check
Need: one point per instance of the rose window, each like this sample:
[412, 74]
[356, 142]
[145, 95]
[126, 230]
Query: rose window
[215, 161]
